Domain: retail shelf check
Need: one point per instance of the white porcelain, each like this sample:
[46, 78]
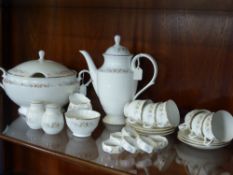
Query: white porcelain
[40, 80]
[111, 147]
[83, 122]
[129, 131]
[78, 101]
[207, 129]
[116, 137]
[129, 144]
[149, 115]
[34, 114]
[145, 144]
[152, 131]
[116, 81]
[184, 136]
[196, 126]
[167, 114]
[221, 126]
[133, 110]
[52, 120]
[159, 142]
[189, 117]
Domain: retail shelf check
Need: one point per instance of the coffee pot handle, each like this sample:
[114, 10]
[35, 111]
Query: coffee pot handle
[80, 76]
[134, 68]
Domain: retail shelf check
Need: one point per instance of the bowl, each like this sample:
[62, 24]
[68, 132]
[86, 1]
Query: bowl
[82, 122]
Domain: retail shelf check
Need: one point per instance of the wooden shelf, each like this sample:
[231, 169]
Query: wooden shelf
[88, 152]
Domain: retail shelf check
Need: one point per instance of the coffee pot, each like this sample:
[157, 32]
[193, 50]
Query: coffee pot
[115, 82]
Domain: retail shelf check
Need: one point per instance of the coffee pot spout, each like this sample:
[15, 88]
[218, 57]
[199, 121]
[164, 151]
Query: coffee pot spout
[92, 68]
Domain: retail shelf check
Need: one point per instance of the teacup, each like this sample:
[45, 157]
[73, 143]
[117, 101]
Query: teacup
[149, 115]
[189, 117]
[78, 101]
[196, 125]
[167, 114]
[218, 126]
[83, 122]
[133, 110]
[207, 130]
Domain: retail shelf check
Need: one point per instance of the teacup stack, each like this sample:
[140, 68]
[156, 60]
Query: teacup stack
[206, 129]
[147, 117]
[80, 118]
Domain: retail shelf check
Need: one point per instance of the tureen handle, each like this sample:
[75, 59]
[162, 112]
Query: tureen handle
[135, 69]
[3, 76]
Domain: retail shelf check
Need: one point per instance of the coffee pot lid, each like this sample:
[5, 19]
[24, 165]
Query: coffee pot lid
[41, 68]
[117, 49]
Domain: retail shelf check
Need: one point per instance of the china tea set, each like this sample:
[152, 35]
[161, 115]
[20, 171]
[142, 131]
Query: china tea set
[38, 84]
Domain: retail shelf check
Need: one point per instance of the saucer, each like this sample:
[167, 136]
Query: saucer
[164, 133]
[149, 131]
[183, 136]
[140, 127]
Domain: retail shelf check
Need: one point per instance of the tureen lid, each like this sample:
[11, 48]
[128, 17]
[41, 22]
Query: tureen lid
[41, 68]
[117, 49]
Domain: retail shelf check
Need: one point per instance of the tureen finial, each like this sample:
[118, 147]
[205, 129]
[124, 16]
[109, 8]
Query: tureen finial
[117, 39]
[41, 55]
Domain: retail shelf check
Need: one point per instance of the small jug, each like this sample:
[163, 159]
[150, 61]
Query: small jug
[52, 120]
[34, 114]
[78, 101]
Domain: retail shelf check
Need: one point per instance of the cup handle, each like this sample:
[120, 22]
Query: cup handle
[155, 67]
[132, 121]
[80, 77]
[3, 76]
[207, 142]
[183, 126]
[192, 135]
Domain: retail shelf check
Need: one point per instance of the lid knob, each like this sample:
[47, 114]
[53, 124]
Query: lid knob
[41, 55]
[117, 39]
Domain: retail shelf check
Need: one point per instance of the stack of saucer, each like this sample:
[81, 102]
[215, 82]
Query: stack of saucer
[206, 130]
[151, 131]
[183, 136]
[149, 118]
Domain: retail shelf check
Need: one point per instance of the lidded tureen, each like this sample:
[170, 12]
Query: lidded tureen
[39, 80]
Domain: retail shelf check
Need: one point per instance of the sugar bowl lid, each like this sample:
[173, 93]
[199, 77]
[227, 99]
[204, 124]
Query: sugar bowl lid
[41, 68]
[117, 49]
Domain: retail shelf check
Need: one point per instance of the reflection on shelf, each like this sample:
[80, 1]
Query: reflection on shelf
[84, 148]
[202, 162]
[190, 160]
[135, 162]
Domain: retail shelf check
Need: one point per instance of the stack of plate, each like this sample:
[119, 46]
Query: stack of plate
[151, 131]
[183, 136]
